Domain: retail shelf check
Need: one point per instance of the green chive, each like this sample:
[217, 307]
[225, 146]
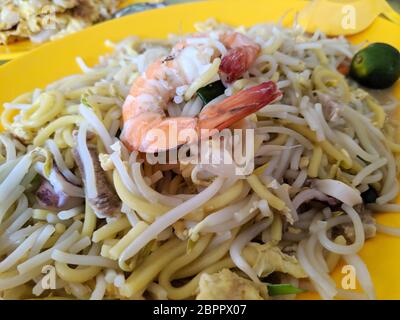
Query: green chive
[283, 289]
[211, 91]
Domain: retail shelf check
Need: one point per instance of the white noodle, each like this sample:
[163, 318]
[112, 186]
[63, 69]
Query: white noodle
[17, 254]
[59, 160]
[83, 260]
[358, 231]
[388, 230]
[42, 238]
[301, 139]
[7, 203]
[366, 171]
[16, 221]
[325, 288]
[15, 177]
[149, 193]
[11, 153]
[15, 281]
[43, 257]
[171, 217]
[100, 289]
[218, 217]
[363, 275]
[97, 125]
[68, 214]
[80, 245]
[87, 162]
[237, 246]
[123, 173]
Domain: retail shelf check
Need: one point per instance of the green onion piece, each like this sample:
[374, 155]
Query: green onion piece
[211, 91]
[283, 289]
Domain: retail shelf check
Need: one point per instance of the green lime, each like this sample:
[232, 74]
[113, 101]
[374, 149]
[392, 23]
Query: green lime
[376, 66]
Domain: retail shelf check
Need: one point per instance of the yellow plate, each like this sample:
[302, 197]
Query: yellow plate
[57, 59]
[18, 49]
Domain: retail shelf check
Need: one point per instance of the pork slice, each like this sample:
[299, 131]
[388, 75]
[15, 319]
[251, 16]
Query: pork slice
[107, 203]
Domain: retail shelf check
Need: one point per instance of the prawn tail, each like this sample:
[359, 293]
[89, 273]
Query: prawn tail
[222, 115]
[236, 62]
[151, 133]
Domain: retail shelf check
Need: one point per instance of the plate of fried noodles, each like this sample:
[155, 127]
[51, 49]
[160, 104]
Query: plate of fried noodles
[222, 154]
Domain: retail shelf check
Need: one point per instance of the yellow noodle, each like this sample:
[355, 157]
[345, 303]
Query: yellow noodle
[76, 94]
[321, 77]
[274, 46]
[40, 214]
[166, 275]
[206, 259]
[279, 140]
[24, 98]
[133, 233]
[189, 289]
[264, 193]
[68, 158]
[89, 223]
[135, 202]
[108, 118]
[67, 136]
[151, 267]
[48, 106]
[71, 110]
[276, 228]
[333, 171]
[205, 78]
[105, 248]
[240, 84]
[60, 228]
[59, 140]
[217, 202]
[79, 217]
[52, 240]
[260, 170]
[225, 198]
[323, 59]
[110, 229]
[7, 118]
[78, 275]
[315, 162]
[46, 132]
[18, 293]
[275, 77]
[345, 161]
[394, 147]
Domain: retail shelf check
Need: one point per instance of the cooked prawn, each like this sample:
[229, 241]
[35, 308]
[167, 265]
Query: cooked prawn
[146, 126]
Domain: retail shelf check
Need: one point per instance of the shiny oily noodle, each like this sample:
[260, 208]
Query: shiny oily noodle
[184, 231]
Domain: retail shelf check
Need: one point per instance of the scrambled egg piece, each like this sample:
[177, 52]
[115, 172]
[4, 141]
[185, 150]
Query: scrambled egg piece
[226, 285]
[268, 258]
[41, 20]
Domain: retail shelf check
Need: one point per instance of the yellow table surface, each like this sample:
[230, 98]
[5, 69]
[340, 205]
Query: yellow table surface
[57, 59]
